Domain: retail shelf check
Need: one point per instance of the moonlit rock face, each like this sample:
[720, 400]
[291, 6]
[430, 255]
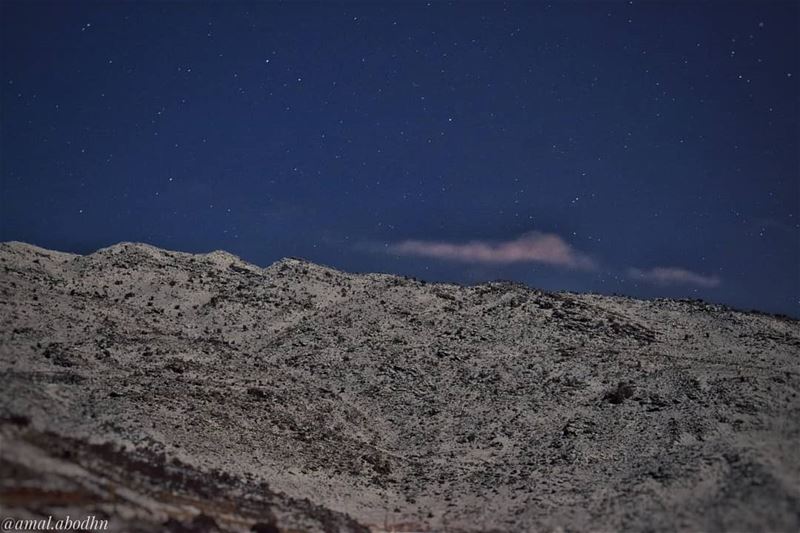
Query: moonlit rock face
[211, 391]
[222, 258]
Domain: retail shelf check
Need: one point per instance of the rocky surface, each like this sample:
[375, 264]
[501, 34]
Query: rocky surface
[198, 392]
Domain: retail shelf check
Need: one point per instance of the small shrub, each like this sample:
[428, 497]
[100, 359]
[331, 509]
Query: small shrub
[622, 392]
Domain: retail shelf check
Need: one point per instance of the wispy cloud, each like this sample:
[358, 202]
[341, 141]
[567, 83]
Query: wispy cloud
[674, 276]
[533, 247]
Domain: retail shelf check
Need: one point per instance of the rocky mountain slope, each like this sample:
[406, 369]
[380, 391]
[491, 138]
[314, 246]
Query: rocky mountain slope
[188, 392]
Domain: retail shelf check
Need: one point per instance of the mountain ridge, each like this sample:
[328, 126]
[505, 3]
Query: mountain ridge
[295, 261]
[385, 401]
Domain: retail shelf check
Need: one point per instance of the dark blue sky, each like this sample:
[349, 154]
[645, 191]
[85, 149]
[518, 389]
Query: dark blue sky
[643, 148]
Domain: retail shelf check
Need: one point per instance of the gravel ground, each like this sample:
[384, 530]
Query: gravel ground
[164, 390]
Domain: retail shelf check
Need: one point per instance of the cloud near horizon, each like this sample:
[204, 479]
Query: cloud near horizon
[674, 276]
[533, 247]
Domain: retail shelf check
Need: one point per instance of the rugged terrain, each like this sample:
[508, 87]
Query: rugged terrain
[164, 390]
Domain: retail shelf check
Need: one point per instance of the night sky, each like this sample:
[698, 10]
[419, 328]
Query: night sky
[648, 149]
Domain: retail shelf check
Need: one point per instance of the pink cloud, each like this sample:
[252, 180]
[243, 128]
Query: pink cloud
[532, 247]
[674, 276]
